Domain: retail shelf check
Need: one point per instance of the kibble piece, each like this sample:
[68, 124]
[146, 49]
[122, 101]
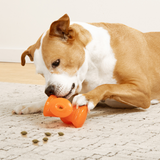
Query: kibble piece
[47, 134]
[60, 133]
[45, 139]
[23, 132]
[35, 141]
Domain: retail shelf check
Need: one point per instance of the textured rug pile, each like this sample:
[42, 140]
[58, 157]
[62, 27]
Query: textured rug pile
[108, 134]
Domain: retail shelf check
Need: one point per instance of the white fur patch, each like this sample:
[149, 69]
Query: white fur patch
[81, 100]
[39, 62]
[154, 101]
[101, 59]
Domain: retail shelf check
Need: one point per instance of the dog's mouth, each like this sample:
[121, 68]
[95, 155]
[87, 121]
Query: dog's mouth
[70, 92]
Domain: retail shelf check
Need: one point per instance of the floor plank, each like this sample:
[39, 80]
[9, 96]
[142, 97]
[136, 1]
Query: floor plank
[15, 73]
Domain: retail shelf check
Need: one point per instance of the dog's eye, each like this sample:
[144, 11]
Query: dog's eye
[56, 63]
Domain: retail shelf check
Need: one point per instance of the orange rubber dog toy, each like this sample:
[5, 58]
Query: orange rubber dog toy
[60, 107]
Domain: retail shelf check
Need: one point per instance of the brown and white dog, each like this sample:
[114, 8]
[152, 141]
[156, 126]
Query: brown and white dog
[96, 61]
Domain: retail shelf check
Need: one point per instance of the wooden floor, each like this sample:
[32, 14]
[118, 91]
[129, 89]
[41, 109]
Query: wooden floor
[15, 73]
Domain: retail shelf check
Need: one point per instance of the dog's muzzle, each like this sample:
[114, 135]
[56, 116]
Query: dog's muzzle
[50, 90]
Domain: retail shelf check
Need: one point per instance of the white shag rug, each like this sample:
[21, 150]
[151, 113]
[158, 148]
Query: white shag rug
[108, 134]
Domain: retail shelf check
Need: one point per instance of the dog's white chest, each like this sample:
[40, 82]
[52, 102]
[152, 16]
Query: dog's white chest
[101, 73]
[101, 59]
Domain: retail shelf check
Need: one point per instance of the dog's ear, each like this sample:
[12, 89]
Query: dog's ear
[60, 28]
[27, 52]
[30, 51]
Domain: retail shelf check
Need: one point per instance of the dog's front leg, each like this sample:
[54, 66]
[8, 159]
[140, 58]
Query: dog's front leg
[27, 108]
[130, 94]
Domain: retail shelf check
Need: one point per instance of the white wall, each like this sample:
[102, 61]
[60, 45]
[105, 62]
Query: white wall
[23, 21]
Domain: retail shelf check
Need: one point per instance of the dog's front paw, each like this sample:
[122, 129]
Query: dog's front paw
[29, 108]
[21, 109]
[25, 109]
[80, 100]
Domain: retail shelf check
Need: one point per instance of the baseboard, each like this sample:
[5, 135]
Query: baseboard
[12, 55]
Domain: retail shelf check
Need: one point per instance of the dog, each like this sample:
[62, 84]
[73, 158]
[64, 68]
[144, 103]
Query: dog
[93, 62]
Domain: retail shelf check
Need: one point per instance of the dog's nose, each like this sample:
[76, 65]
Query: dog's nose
[49, 91]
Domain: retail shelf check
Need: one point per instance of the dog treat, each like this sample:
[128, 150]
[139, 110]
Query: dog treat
[60, 133]
[35, 141]
[47, 134]
[45, 139]
[23, 132]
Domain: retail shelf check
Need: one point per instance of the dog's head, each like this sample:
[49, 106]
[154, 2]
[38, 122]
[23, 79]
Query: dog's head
[59, 56]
